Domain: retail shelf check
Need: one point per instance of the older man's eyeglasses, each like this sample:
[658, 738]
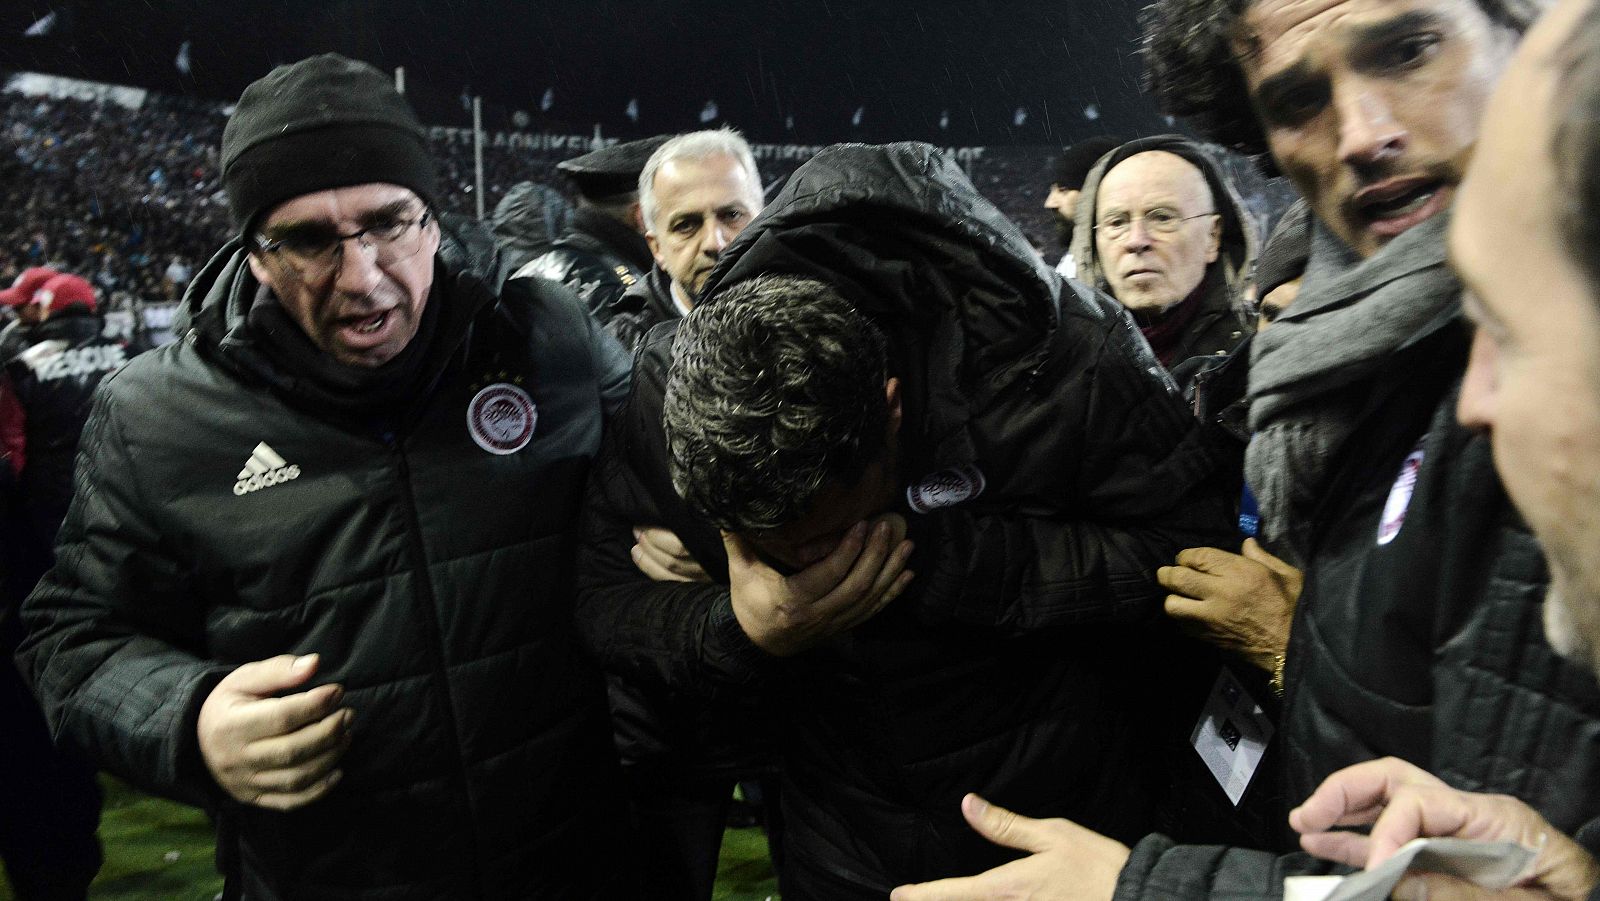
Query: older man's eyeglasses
[314, 254]
[1159, 221]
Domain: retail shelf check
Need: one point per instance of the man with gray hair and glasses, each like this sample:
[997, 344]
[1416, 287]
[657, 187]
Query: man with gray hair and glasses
[1163, 231]
[316, 577]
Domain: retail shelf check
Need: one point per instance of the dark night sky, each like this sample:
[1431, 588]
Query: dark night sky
[762, 61]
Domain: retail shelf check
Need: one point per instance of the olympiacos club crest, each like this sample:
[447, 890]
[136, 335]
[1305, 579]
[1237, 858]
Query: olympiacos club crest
[501, 418]
[1394, 509]
[946, 488]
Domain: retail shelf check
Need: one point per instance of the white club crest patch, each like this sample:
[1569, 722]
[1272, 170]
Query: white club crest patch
[501, 418]
[1394, 509]
[946, 488]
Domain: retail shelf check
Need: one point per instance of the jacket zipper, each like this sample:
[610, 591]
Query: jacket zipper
[435, 642]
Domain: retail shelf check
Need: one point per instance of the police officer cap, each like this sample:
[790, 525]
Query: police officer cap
[611, 171]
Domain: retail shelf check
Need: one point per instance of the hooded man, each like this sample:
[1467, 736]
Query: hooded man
[931, 376]
[1160, 229]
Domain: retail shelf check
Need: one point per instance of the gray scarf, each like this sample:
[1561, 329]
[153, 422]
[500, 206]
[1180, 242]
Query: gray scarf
[1310, 373]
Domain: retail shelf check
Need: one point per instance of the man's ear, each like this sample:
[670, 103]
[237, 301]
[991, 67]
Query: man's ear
[260, 271]
[655, 248]
[636, 216]
[1215, 246]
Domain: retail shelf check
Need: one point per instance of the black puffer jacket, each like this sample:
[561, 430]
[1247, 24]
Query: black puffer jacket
[526, 223]
[1419, 635]
[598, 258]
[1013, 664]
[431, 575]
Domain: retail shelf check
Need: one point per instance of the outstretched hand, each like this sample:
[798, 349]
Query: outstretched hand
[784, 615]
[1066, 862]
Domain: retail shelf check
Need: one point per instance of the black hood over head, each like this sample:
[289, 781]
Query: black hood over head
[966, 303]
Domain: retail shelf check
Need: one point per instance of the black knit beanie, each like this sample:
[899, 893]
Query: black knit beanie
[323, 122]
[1076, 161]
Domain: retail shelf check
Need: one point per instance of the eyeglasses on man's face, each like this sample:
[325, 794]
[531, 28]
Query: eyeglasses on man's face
[314, 253]
[1158, 221]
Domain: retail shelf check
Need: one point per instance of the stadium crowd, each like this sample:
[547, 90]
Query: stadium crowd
[115, 194]
[132, 198]
[1219, 559]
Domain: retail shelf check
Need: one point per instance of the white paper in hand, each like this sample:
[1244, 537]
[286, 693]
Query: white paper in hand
[1492, 865]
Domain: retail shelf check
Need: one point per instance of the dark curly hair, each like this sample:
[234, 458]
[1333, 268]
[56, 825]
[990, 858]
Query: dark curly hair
[1190, 67]
[1576, 145]
[776, 388]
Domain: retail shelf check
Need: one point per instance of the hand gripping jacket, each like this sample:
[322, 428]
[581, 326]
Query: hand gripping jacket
[430, 573]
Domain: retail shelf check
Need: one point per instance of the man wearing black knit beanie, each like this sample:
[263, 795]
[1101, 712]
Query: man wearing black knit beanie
[316, 576]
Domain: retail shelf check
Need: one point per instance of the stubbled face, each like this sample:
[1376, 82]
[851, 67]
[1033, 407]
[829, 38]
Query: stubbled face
[361, 312]
[701, 206]
[1146, 270]
[1063, 200]
[1371, 107]
[1534, 376]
